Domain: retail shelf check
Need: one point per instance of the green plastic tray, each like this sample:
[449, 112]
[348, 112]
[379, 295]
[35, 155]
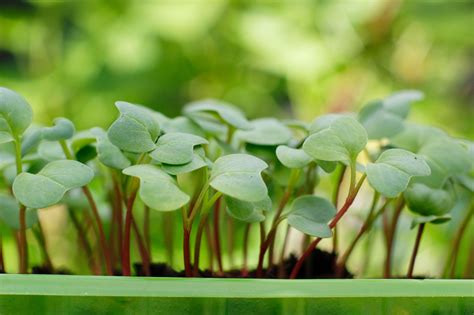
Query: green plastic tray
[43, 294]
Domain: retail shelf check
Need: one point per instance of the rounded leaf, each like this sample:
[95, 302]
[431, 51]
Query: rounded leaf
[176, 148]
[63, 129]
[49, 186]
[292, 158]
[392, 171]
[158, 190]
[342, 139]
[110, 155]
[311, 215]
[248, 211]
[136, 129]
[210, 109]
[433, 219]
[197, 162]
[427, 201]
[238, 176]
[15, 115]
[266, 131]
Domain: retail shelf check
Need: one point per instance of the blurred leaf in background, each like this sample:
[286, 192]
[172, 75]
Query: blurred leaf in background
[289, 58]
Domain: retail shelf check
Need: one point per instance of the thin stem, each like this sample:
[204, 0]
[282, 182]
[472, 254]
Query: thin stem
[126, 271]
[39, 235]
[23, 261]
[146, 231]
[197, 246]
[84, 243]
[366, 226]
[457, 241]
[347, 204]
[245, 250]
[282, 253]
[145, 256]
[102, 239]
[2, 261]
[119, 215]
[186, 245]
[167, 227]
[391, 236]
[265, 244]
[217, 242]
[335, 199]
[469, 269]
[421, 227]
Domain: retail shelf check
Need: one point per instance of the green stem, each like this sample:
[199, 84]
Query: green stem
[126, 270]
[39, 235]
[391, 237]
[335, 198]
[421, 227]
[23, 261]
[457, 241]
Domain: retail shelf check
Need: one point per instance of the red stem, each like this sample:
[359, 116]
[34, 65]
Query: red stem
[421, 227]
[2, 261]
[347, 204]
[391, 237]
[146, 231]
[126, 239]
[187, 252]
[119, 214]
[142, 248]
[197, 244]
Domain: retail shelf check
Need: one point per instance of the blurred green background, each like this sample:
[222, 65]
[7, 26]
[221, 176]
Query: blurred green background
[285, 58]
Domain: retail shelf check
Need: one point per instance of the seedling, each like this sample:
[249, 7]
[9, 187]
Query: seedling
[213, 163]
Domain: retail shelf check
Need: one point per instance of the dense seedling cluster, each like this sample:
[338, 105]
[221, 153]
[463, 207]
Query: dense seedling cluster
[213, 162]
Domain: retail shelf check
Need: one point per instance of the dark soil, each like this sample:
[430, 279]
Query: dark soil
[44, 270]
[320, 265]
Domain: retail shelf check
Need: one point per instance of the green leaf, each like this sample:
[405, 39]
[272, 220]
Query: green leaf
[15, 115]
[176, 148]
[10, 213]
[327, 166]
[427, 201]
[383, 119]
[31, 138]
[136, 129]
[214, 110]
[183, 124]
[238, 176]
[392, 171]
[266, 131]
[414, 137]
[158, 190]
[248, 211]
[63, 129]
[311, 215]
[109, 154]
[292, 158]
[51, 151]
[342, 139]
[433, 219]
[197, 162]
[446, 158]
[49, 186]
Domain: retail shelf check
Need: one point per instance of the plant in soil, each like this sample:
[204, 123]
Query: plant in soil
[233, 193]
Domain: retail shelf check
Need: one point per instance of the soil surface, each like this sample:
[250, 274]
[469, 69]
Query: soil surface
[44, 270]
[320, 265]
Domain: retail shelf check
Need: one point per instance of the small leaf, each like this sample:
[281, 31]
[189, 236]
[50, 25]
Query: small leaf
[311, 215]
[176, 148]
[292, 158]
[49, 186]
[63, 129]
[248, 211]
[266, 131]
[208, 110]
[414, 137]
[136, 129]
[427, 201]
[383, 119]
[392, 171]
[238, 176]
[51, 151]
[158, 190]
[10, 213]
[15, 115]
[433, 219]
[196, 163]
[109, 154]
[31, 138]
[342, 140]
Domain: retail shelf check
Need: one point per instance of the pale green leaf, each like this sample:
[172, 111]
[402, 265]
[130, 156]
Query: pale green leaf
[176, 148]
[197, 162]
[109, 154]
[158, 190]
[248, 211]
[311, 215]
[238, 176]
[342, 139]
[10, 213]
[266, 131]
[183, 124]
[392, 171]
[427, 201]
[63, 129]
[15, 115]
[136, 129]
[292, 158]
[433, 219]
[47, 187]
